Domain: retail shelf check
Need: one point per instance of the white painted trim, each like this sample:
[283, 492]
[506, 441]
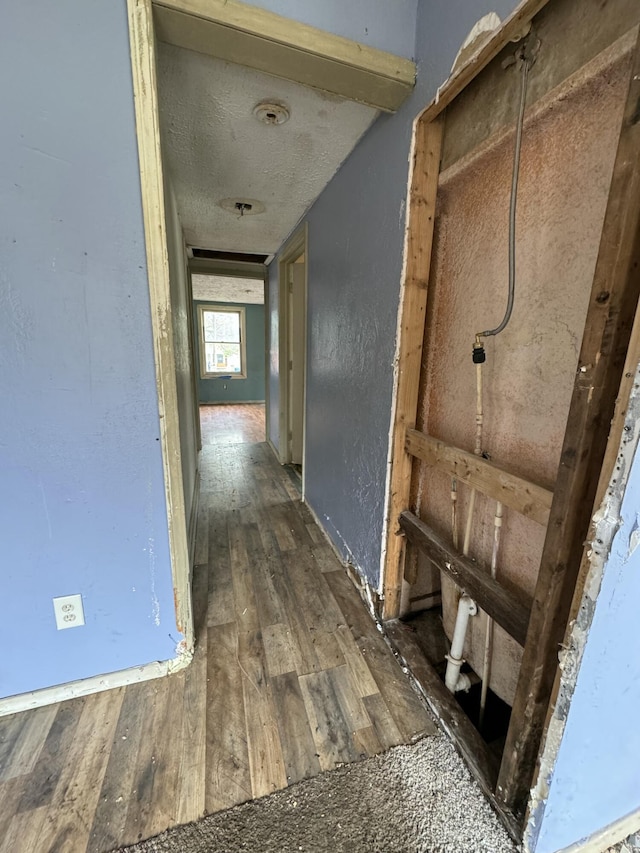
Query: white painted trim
[295, 246]
[607, 837]
[213, 307]
[96, 684]
[143, 67]
[193, 521]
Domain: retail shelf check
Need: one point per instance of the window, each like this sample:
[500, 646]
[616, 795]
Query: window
[222, 342]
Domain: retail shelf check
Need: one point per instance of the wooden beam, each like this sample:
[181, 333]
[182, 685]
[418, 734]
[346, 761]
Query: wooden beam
[512, 29]
[413, 305]
[445, 708]
[145, 92]
[228, 269]
[612, 307]
[505, 608]
[515, 492]
[244, 34]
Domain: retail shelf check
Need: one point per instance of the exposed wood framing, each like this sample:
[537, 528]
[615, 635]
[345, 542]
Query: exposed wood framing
[447, 711]
[527, 498]
[422, 210]
[612, 308]
[428, 132]
[513, 29]
[152, 189]
[505, 608]
[241, 33]
[231, 269]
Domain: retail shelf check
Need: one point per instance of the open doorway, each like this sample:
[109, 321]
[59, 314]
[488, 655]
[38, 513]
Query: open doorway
[293, 347]
[229, 320]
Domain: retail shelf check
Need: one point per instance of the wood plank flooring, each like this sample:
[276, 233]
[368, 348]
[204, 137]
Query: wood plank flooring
[290, 677]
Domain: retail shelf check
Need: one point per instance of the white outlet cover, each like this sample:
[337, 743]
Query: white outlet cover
[69, 611]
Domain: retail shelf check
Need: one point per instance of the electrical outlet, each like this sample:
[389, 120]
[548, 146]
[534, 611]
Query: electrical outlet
[69, 611]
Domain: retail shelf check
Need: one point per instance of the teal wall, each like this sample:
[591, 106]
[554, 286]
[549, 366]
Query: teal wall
[238, 390]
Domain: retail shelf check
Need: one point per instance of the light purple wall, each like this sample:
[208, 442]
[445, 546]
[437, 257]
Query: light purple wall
[385, 24]
[356, 234]
[81, 483]
[596, 780]
[355, 253]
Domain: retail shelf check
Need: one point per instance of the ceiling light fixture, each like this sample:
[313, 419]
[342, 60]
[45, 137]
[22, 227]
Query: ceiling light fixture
[271, 112]
[242, 206]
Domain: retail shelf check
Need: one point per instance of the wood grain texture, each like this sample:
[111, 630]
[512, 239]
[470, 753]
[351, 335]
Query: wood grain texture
[413, 306]
[289, 49]
[512, 29]
[263, 704]
[613, 304]
[145, 90]
[527, 498]
[507, 609]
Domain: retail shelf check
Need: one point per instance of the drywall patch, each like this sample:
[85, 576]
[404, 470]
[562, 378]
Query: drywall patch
[605, 524]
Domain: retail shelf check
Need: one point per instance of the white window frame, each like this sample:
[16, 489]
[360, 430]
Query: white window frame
[219, 309]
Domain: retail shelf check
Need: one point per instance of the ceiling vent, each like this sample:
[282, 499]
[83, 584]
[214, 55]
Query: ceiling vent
[271, 112]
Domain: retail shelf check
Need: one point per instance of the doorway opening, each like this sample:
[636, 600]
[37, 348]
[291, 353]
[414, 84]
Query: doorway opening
[293, 349]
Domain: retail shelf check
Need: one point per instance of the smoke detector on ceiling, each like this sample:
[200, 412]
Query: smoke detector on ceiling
[271, 112]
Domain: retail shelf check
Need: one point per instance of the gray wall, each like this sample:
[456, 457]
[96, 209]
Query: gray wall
[180, 318]
[384, 24]
[252, 388]
[356, 234]
[81, 481]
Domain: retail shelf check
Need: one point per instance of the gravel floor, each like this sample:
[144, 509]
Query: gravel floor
[412, 799]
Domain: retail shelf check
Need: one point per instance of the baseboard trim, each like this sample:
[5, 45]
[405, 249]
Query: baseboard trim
[95, 684]
[607, 837]
[193, 521]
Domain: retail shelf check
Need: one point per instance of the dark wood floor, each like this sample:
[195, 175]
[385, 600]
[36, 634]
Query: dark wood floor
[290, 677]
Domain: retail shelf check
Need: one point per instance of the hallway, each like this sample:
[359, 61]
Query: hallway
[290, 677]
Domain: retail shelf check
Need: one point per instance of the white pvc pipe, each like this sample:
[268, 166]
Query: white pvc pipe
[454, 512]
[466, 608]
[488, 639]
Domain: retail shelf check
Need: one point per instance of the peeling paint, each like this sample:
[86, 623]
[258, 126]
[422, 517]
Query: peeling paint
[606, 522]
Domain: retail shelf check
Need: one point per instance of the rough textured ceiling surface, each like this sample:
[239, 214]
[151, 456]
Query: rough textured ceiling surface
[218, 288]
[217, 149]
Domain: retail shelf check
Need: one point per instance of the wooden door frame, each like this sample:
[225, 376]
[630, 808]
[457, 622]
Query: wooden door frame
[295, 246]
[261, 40]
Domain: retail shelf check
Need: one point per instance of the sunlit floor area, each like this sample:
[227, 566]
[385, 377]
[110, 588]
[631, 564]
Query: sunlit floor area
[290, 677]
[237, 423]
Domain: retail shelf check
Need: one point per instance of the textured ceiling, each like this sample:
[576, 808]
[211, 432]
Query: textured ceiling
[217, 149]
[218, 288]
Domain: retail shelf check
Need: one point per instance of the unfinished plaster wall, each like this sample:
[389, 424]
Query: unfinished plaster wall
[569, 144]
[81, 479]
